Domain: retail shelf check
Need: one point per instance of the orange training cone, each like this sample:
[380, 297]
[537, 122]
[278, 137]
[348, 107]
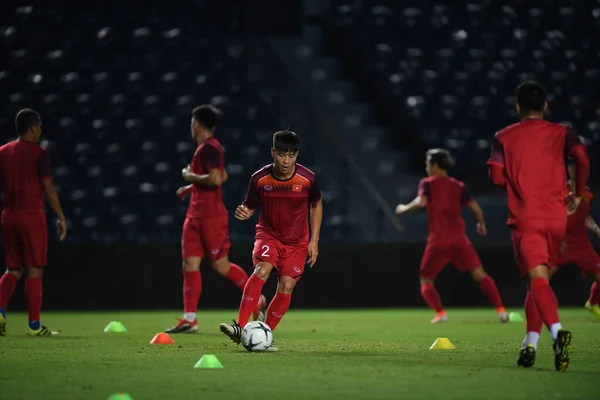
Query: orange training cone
[162, 338]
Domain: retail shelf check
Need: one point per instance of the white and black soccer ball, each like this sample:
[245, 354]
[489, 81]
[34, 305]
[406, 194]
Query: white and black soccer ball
[257, 336]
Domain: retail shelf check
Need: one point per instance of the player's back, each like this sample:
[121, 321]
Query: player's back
[534, 151]
[445, 197]
[576, 224]
[20, 164]
[207, 201]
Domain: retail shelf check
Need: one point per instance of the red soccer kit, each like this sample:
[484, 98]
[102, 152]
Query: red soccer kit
[447, 241]
[23, 166]
[577, 248]
[531, 154]
[282, 232]
[206, 226]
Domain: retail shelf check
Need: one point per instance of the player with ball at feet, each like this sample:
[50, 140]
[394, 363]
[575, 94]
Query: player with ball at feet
[283, 241]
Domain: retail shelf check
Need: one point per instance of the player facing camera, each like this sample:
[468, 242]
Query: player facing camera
[437, 160]
[286, 145]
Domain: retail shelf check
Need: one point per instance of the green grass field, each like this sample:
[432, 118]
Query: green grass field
[370, 354]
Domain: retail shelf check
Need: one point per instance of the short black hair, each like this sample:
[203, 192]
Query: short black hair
[441, 157]
[25, 120]
[285, 141]
[531, 97]
[207, 115]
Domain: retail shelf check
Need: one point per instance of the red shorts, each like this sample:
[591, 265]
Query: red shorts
[288, 259]
[462, 255]
[537, 242]
[206, 234]
[585, 258]
[25, 242]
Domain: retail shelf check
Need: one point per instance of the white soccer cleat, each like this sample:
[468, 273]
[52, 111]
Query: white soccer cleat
[441, 317]
[271, 349]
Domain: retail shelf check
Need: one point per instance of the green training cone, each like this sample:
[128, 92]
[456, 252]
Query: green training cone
[209, 361]
[115, 327]
[120, 396]
[515, 317]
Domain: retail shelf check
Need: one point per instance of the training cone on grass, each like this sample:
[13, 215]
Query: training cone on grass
[120, 396]
[442, 343]
[209, 361]
[515, 317]
[162, 338]
[115, 327]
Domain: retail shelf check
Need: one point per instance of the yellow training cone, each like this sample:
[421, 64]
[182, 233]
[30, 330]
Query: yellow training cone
[442, 343]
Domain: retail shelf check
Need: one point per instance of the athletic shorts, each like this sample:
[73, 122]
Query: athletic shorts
[585, 258]
[537, 242]
[209, 235]
[25, 241]
[462, 255]
[289, 260]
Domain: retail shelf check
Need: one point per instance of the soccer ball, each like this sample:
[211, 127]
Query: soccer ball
[257, 336]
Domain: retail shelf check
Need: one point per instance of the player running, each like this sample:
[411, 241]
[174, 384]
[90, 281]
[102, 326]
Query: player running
[447, 241]
[206, 224]
[283, 189]
[527, 159]
[26, 177]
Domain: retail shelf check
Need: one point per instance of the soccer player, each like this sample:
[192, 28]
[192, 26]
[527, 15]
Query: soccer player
[527, 159]
[26, 177]
[284, 189]
[205, 230]
[447, 242]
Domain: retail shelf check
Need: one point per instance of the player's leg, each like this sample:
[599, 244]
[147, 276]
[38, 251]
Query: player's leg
[433, 261]
[281, 302]
[8, 281]
[589, 263]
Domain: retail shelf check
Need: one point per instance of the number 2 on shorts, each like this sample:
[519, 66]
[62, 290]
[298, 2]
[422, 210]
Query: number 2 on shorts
[266, 251]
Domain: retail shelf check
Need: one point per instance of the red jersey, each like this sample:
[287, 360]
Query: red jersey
[207, 201]
[284, 203]
[23, 165]
[577, 234]
[445, 196]
[532, 153]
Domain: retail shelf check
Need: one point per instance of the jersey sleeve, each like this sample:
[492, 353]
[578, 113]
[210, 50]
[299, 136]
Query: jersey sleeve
[424, 188]
[571, 140]
[210, 157]
[465, 197]
[314, 194]
[496, 153]
[252, 199]
[43, 165]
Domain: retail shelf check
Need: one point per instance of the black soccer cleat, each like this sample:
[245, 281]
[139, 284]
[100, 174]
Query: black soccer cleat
[527, 357]
[234, 331]
[561, 350]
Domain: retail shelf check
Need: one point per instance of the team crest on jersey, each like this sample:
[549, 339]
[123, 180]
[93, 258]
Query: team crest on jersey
[296, 188]
[268, 188]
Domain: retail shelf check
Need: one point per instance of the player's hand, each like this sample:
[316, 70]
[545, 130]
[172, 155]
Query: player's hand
[481, 229]
[313, 253]
[243, 213]
[61, 229]
[184, 192]
[401, 209]
[573, 202]
[185, 173]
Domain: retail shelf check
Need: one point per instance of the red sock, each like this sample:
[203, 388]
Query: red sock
[432, 297]
[250, 298]
[594, 293]
[7, 287]
[532, 314]
[237, 275]
[277, 309]
[546, 300]
[192, 288]
[33, 292]
[488, 286]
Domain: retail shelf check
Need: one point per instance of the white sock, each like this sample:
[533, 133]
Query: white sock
[531, 338]
[189, 316]
[554, 328]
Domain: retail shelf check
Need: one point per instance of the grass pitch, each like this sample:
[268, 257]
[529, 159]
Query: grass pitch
[367, 354]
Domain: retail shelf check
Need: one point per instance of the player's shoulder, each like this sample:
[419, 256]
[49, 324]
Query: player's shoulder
[507, 130]
[305, 172]
[456, 182]
[212, 143]
[264, 171]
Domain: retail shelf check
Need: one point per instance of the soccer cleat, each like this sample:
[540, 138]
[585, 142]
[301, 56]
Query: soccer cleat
[41, 331]
[527, 357]
[234, 331]
[184, 326]
[561, 350]
[2, 325]
[594, 309]
[440, 317]
[271, 349]
[260, 314]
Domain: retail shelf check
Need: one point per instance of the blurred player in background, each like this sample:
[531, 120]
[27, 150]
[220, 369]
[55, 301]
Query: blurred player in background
[205, 230]
[527, 159]
[26, 177]
[447, 242]
[284, 189]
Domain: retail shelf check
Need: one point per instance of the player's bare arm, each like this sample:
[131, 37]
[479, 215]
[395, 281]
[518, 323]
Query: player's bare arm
[418, 203]
[316, 217]
[478, 213]
[243, 213]
[184, 191]
[591, 225]
[582, 162]
[213, 179]
[54, 203]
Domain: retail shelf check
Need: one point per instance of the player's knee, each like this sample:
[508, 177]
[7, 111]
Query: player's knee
[191, 264]
[17, 273]
[34, 272]
[478, 274]
[426, 281]
[286, 285]
[222, 266]
[262, 270]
